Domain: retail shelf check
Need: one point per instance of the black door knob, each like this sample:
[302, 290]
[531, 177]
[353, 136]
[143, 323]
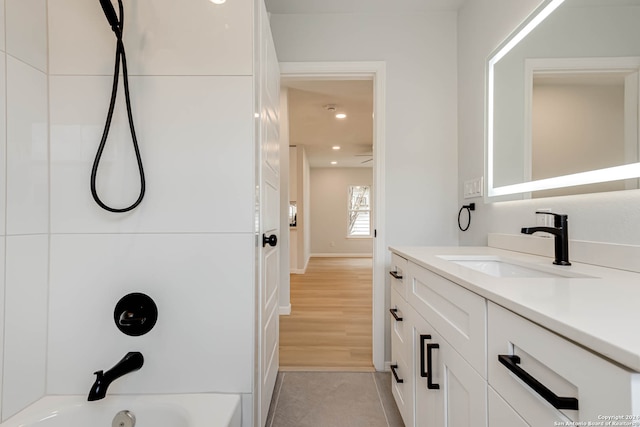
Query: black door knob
[270, 240]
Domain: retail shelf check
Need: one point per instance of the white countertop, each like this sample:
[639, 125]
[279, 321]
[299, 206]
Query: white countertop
[601, 313]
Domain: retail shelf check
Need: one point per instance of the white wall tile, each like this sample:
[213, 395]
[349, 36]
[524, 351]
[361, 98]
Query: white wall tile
[162, 37]
[2, 42]
[25, 340]
[203, 287]
[196, 140]
[27, 150]
[3, 142]
[26, 31]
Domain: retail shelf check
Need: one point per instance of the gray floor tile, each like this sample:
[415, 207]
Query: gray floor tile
[383, 381]
[327, 399]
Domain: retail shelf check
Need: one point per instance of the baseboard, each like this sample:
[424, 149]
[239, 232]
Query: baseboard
[346, 255]
[296, 271]
[387, 366]
[284, 311]
[612, 255]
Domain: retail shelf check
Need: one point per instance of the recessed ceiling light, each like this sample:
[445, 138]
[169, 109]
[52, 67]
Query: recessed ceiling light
[336, 147]
[334, 163]
[218, 1]
[341, 116]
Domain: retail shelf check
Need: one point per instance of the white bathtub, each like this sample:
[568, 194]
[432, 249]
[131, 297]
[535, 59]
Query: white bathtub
[168, 410]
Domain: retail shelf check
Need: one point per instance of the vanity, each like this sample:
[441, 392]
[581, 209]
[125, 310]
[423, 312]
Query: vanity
[499, 336]
[483, 336]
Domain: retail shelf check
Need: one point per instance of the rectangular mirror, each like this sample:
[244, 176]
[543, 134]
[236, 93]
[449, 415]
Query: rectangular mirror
[562, 102]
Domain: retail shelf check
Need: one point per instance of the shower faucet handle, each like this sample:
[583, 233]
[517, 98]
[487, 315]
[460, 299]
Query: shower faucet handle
[128, 318]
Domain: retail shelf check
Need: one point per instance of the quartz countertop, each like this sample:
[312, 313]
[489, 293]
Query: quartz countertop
[600, 312]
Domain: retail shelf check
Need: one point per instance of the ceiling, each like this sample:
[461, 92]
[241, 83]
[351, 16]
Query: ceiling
[314, 126]
[360, 6]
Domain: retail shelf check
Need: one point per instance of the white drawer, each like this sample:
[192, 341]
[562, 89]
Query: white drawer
[402, 388]
[400, 328]
[397, 273]
[456, 313]
[598, 387]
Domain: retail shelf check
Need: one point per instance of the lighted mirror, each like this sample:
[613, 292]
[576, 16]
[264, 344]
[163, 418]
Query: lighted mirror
[562, 102]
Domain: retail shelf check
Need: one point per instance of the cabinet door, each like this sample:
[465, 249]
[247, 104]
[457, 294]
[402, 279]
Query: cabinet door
[429, 406]
[459, 315]
[501, 414]
[452, 393]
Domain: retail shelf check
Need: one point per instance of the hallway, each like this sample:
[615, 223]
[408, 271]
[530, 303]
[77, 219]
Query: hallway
[330, 323]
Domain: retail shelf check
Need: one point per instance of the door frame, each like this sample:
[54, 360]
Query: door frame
[376, 71]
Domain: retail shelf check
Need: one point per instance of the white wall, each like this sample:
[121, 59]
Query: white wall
[300, 186]
[329, 199]
[285, 198]
[603, 217]
[419, 51]
[24, 230]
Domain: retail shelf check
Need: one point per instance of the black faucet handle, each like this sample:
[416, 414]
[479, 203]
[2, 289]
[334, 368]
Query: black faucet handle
[559, 220]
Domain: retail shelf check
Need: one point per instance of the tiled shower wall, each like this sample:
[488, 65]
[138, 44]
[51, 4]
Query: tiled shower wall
[189, 245]
[24, 199]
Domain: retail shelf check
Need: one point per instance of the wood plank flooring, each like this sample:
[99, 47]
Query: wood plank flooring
[330, 323]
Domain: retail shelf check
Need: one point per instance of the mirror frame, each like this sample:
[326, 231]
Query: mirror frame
[508, 192]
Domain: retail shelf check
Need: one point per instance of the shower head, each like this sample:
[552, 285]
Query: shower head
[110, 13]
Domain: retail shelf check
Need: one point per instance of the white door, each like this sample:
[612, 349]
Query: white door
[269, 170]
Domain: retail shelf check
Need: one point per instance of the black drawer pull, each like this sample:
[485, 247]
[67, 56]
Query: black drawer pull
[430, 384]
[396, 275]
[393, 312]
[423, 370]
[511, 362]
[395, 374]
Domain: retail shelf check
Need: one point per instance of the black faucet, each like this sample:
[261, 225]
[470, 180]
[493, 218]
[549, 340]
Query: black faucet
[132, 361]
[560, 232]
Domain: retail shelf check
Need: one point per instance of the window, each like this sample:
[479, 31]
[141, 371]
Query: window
[359, 213]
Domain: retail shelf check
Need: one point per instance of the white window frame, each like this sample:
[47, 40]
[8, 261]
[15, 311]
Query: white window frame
[354, 209]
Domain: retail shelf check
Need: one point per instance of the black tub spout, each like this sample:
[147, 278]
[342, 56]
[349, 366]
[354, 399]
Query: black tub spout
[131, 362]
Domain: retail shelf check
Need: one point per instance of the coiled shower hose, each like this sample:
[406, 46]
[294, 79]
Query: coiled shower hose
[117, 25]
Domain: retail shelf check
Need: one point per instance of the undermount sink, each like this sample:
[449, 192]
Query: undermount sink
[497, 266]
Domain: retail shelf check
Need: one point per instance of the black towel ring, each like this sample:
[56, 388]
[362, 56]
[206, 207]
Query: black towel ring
[470, 207]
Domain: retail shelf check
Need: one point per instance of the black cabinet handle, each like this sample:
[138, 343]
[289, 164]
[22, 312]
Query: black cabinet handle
[423, 370]
[396, 275]
[430, 384]
[511, 362]
[393, 312]
[395, 374]
[269, 240]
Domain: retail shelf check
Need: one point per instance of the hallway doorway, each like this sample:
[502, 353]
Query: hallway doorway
[367, 152]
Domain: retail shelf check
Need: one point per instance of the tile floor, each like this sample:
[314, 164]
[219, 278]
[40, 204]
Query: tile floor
[333, 399]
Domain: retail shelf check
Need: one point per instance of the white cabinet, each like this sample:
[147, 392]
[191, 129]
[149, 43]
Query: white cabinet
[500, 413]
[547, 379]
[466, 361]
[459, 315]
[435, 349]
[402, 378]
[398, 273]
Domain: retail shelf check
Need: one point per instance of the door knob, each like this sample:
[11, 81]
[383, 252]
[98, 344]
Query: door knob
[270, 240]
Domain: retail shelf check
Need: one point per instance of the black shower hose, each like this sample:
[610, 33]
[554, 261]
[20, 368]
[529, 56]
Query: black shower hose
[117, 26]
